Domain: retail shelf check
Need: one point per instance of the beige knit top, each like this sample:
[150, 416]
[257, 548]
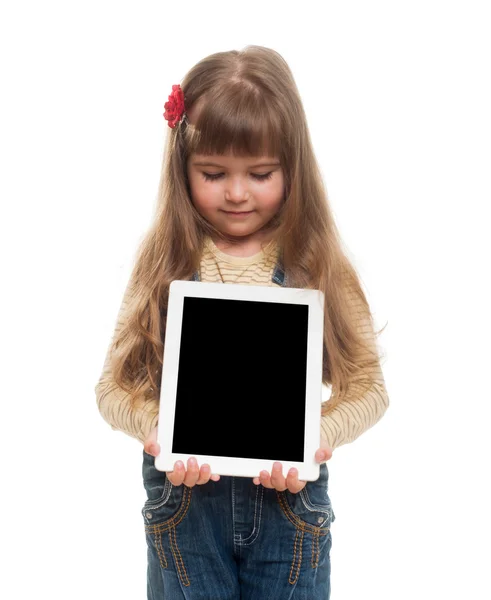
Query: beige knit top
[347, 421]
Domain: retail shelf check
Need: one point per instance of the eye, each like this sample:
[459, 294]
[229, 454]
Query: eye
[263, 176]
[212, 176]
[258, 176]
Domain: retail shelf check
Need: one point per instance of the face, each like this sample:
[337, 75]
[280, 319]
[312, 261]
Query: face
[237, 195]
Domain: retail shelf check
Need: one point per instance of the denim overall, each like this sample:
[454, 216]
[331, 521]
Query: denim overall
[233, 540]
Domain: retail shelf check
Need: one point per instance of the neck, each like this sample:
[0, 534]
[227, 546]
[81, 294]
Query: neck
[243, 246]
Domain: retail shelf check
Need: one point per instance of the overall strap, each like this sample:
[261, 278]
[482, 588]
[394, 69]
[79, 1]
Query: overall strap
[279, 276]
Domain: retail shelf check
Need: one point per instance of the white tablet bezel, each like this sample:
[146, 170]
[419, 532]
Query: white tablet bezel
[308, 470]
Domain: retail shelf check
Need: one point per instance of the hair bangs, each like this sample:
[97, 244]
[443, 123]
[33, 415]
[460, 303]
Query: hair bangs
[238, 123]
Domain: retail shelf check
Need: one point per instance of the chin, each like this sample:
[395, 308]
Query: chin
[237, 233]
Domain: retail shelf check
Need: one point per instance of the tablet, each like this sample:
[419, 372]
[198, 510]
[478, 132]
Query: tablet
[241, 380]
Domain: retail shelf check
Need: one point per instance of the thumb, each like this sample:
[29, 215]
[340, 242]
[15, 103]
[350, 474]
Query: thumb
[324, 452]
[151, 446]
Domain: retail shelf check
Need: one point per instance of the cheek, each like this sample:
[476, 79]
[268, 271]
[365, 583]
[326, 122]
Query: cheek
[202, 198]
[272, 199]
[205, 201]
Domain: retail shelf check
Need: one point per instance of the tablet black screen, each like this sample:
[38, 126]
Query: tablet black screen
[242, 379]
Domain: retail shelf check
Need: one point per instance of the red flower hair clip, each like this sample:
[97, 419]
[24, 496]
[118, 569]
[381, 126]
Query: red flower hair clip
[174, 108]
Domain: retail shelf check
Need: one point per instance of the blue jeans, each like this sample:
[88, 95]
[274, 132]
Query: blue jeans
[233, 540]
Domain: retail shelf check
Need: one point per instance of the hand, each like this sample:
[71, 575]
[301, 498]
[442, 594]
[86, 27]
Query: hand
[291, 482]
[193, 476]
[151, 446]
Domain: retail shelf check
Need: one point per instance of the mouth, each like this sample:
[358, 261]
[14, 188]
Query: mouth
[234, 213]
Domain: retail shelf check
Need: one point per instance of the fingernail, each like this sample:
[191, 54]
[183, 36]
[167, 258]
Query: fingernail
[192, 462]
[179, 465]
[276, 466]
[292, 471]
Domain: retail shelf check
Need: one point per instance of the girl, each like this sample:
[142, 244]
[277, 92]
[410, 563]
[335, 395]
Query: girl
[241, 200]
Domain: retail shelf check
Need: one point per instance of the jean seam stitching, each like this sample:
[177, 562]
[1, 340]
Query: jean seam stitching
[163, 500]
[176, 519]
[160, 550]
[315, 551]
[292, 517]
[181, 569]
[255, 533]
[297, 556]
[314, 507]
[310, 506]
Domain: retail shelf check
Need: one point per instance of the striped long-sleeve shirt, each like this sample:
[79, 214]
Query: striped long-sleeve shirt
[357, 412]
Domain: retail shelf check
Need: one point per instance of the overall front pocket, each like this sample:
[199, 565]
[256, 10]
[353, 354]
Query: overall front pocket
[165, 502]
[165, 508]
[312, 505]
[310, 515]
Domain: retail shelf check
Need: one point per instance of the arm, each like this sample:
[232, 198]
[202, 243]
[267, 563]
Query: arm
[114, 403]
[360, 409]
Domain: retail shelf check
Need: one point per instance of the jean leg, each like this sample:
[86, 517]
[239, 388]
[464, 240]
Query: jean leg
[189, 538]
[289, 558]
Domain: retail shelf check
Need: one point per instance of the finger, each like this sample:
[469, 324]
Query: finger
[192, 474]
[176, 477]
[277, 479]
[151, 446]
[323, 454]
[265, 479]
[256, 481]
[215, 477]
[204, 475]
[293, 483]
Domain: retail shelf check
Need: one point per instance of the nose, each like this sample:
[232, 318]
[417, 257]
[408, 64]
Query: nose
[236, 190]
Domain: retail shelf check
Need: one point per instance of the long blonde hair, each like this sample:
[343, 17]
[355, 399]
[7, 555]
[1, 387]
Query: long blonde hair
[249, 105]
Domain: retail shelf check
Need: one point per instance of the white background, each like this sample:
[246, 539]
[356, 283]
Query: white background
[397, 97]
